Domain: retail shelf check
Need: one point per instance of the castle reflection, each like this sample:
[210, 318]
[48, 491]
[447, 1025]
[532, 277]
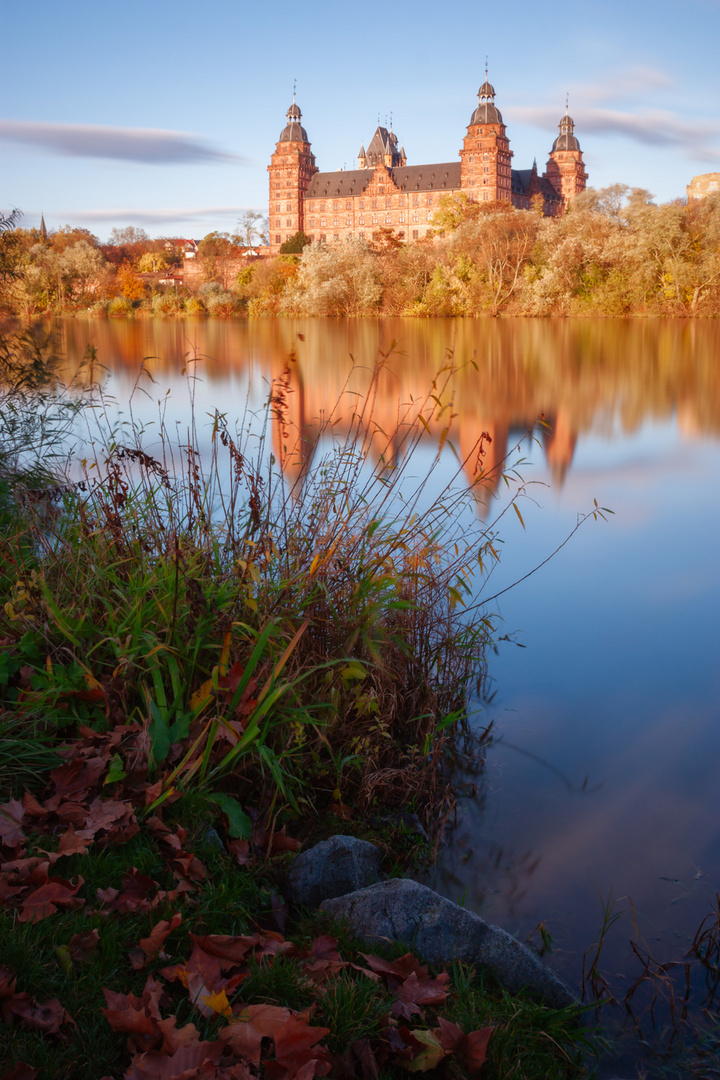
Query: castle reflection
[565, 379]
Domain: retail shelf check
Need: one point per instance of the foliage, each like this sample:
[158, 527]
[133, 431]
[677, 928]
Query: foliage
[335, 279]
[295, 244]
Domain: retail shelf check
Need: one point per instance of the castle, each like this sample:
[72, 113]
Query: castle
[384, 192]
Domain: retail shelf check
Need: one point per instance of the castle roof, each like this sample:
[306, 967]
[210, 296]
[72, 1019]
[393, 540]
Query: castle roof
[486, 112]
[566, 139]
[343, 184]
[382, 144]
[293, 130]
[521, 179]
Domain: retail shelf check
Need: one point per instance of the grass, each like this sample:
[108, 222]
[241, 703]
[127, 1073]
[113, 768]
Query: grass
[228, 658]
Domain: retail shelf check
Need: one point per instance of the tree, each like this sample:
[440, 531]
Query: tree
[152, 262]
[252, 229]
[295, 244]
[10, 249]
[336, 279]
[453, 211]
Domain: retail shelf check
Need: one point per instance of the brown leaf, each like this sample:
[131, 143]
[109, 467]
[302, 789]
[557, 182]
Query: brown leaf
[474, 1051]
[77, 776]
[72, 843]
[44, 901]
[20, 1071]
[8, 980]
[424, 991]
[295, 1049]
[82, 946]
[138, 1016]
[187, 1063]
[32, 807]
[154, 942]
[12, 814]
[241, 851]
[47, 1017]
[175, 1037]
[245, 1034]
[107, 814]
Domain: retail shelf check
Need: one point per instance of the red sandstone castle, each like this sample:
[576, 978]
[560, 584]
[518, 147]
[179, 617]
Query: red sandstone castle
[384, 192]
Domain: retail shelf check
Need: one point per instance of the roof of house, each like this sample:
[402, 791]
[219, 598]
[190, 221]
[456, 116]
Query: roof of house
[345, 183]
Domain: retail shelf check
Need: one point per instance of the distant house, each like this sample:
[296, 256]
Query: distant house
[702, 186]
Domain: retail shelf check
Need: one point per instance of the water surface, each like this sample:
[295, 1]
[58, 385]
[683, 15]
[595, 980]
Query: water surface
[603, 776]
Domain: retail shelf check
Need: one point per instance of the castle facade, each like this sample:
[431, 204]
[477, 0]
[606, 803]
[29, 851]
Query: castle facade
[384, 192]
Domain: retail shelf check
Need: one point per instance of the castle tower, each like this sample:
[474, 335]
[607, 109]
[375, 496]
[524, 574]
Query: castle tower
[565, 168]
[291, 168]
[485, 159]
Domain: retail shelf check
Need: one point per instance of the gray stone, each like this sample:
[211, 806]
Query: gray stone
[440, 932]
[333, 867]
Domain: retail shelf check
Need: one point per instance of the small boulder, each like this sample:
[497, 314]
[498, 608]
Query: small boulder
[440, 932]
[333, 867]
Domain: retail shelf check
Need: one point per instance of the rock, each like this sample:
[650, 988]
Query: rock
[333, 867]
[440, 932]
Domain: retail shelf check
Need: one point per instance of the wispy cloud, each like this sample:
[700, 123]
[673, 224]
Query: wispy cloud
[151, 217]
[147, 146]
[619, 106]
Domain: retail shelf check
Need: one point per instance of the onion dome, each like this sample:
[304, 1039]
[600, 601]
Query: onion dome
[293, 130]
[486, 112]
[566, 140]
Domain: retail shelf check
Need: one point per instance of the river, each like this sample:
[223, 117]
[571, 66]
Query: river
[601, 781]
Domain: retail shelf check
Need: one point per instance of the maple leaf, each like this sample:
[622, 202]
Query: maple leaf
[175, 1037]
[217, 1003]
[154, 942]
[75, 777]
[48, 1016]
[44, 900]
[197, 1060]
[296, 1053]
[20, 1071]
[72, 843]
[108, 815]
[82, 946]
[474, 1052]
[245, 1034]
[32, 807]
[428, 1056]
[134, 1015]
[8, 980]
[12, 814]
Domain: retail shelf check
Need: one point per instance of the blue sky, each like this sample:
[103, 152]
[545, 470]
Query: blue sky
[164, 115]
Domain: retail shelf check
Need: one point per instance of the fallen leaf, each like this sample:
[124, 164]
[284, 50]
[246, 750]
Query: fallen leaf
[44, 901]
[255, 1023]
[48, 1016]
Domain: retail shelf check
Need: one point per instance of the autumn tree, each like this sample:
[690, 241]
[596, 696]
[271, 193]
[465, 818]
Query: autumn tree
[252, 229]
[335, 279]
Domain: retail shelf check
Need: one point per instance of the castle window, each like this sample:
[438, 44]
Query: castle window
[402, 215]
[277, 207]
[288, 207]
[374, 204]
[471, 183]
[486, 168]
[429, 217]
[374, 219]
[288, 224]
[415, 216]
[335, 221]
[322, 222]
[388, 219]
[428, 200]
[278, 240]
[486, 195]
[312, 222]
[471, 158]
[348, 204]
[347, 220]
[388, 202]
[361, 236]
[335, 204]
[322, 207]
[361, 220]
[415, 200]
[415, 234]
[485, 157]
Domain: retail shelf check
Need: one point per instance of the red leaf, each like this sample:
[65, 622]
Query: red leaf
[474, 1052]
[255, 1023]
[43, 902]
[21, 1071]
[175, 1037]
[11, 818]
[187, 1063]
[47, 1017]
[82, 946]
[154, 942]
